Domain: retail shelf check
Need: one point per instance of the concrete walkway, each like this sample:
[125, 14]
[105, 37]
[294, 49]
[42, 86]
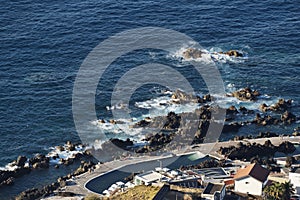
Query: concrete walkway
[78, 183]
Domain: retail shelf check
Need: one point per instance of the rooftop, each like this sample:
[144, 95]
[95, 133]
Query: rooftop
[295, 170]
[211, 188]
[211, 172]
[150, 176]
[254, 170]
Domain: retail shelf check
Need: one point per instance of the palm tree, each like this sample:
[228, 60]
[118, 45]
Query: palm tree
[268, 193]
[278, 191]
[273, 192]
[288, 190]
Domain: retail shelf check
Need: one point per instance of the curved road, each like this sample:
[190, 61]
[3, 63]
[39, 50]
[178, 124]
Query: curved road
[103, 182]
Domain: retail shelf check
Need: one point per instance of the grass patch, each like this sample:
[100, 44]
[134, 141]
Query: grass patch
[136, 193]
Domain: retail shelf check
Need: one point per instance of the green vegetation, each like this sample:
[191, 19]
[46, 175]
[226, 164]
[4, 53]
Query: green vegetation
[136, 193]
[289, 161]
[279, 191]
[92, 197]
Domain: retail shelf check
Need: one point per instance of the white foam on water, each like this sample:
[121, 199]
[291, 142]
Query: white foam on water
[107, 127]
[9, 167]
[209, 56]
[162, 105]
[118, 106]
[154, 103]
[152, 54]
[97, 144]
[179, 55]
[230, 87]
[66, 154]
[225, 102]
[167, 92]
[94, 122]
[26, 164]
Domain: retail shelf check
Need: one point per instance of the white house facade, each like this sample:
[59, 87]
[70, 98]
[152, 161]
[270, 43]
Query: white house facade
[294, 177]
[248, 185]
[251, 179]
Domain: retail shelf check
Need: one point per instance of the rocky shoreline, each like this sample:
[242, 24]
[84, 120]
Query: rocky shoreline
[230, 152]
[180, 128]
[247, 152]
[37, 193]
[176, 131]
[65, 155]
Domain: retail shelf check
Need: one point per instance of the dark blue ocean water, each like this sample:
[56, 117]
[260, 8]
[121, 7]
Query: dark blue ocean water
[43, 44]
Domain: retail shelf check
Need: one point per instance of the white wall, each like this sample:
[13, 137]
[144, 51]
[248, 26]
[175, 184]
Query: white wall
[207, 197]
[295, 180]
[211, 197]
[248, 185]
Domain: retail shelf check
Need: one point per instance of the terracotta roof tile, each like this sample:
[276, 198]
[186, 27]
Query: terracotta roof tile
[254, 170]
[229, 182]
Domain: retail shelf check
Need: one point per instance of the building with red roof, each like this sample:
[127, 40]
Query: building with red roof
[251, 179]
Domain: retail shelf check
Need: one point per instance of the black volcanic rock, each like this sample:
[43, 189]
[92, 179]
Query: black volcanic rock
[265, 120]
[159, 139]
[70, 146]
[9, 181]
[246, 94]
[155, 142]
[4, 176]
[266, 135]
[8, 177]
[60, 148]
[173, 121]
[232, 127]
[232, 110]
[29, 194]
[39, 161]
[244, 110]
[121, 143]
[286, 147]
[111, 148]
[21, 161]
[250, 151]
[142, 123]
[264, 107]
[47, 190]
[181, 97]
[288, 117]
[192, 53]
[234, 53]
[281, 105]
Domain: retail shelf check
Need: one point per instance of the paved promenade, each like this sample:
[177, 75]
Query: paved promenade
[79, 182]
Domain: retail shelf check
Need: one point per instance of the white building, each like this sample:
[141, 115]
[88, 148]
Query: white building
[251, 179]
[212, 175]
[294, 177]
[148, 178]
[214, 191]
